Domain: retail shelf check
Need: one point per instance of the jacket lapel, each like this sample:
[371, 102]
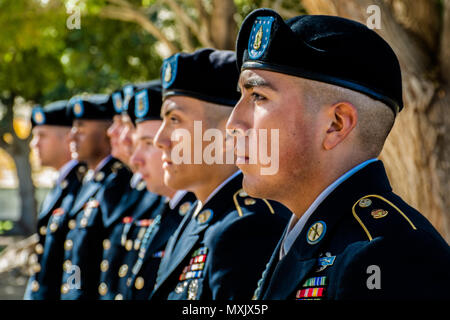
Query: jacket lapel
[157, 239]
[50, 201]
[86, 192]
[175, 254]
[295, 266]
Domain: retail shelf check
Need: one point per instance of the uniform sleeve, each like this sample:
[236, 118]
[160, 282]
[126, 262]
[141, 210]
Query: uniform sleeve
[241, 251]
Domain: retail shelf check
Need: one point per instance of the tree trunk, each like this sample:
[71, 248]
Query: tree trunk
[19, 150]
[223, 25]
[415, 152]
[28, 207]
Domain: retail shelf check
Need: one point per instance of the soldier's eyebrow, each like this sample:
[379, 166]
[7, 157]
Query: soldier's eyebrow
[166, 111]
[146, 137]
[256, 81]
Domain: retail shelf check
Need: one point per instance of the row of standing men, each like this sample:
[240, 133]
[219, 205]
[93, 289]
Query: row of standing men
[104, 227]
[118, 224]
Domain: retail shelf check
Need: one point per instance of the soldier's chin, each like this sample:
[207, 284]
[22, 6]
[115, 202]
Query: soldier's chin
[173, 180]
[252, 186]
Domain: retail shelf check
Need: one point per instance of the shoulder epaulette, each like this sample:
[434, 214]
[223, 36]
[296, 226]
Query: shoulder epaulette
[248, 201]
[375, 213]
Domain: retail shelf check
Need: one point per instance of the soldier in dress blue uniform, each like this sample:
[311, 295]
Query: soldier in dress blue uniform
[335, 85]
[227, 237]
[101, 192]
[144, 111]
[126, 227]
[51, 128]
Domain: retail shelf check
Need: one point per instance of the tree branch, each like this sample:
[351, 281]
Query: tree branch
[189, 23]
[133, 15]
[419, 17]
[204, 18]
[444, 54]
[286, 13]
[185, 37]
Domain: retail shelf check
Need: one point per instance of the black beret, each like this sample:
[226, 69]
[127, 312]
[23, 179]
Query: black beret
[206, 74]
[54, 113]
[91, 107]
[116, 99]
[121, 98]
[146, 102]
[324, 48]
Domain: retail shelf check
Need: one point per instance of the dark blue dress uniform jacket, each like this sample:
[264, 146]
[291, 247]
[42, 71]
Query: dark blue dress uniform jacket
[125, 228]
[371, 245]
[143, 271]
[83, 244]
[46, 282]
[220, 252]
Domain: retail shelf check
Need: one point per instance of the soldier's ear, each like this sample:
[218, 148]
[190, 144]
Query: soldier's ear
[342, 118]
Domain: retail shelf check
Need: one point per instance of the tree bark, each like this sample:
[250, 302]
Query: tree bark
[19, 150]
[223, 25]
[415, 153]
[28, 207]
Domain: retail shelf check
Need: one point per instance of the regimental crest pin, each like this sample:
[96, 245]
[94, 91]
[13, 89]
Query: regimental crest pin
[117, 101]
[169, 70]
[128, 92]
[38, 115]
[379, 213]
[78, 108]
[141, 104]
[259, 37]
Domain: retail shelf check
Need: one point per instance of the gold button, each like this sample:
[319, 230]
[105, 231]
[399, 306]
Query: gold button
[129, 244]
[139, 283]
[243, 194]
[123, 270]
[364, 203]
[39, 248]
[43, 230]
[34, 286]
[249, 201]
[106, 244]
[72, 224]
[83, 222]
[36, 267]
[53, 227]
[67, 265]
[68, 245]
[64, 288]
[99, 176]
[104, 265]
[118, 297]
[103, 289]
[64, 184]
[87, 211]
[33, 259]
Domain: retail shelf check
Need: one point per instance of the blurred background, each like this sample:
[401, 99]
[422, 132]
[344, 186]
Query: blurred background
[54, 49]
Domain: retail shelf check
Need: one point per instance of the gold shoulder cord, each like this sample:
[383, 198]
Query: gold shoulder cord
[236, 203]
[385, 200]
[239, 209]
